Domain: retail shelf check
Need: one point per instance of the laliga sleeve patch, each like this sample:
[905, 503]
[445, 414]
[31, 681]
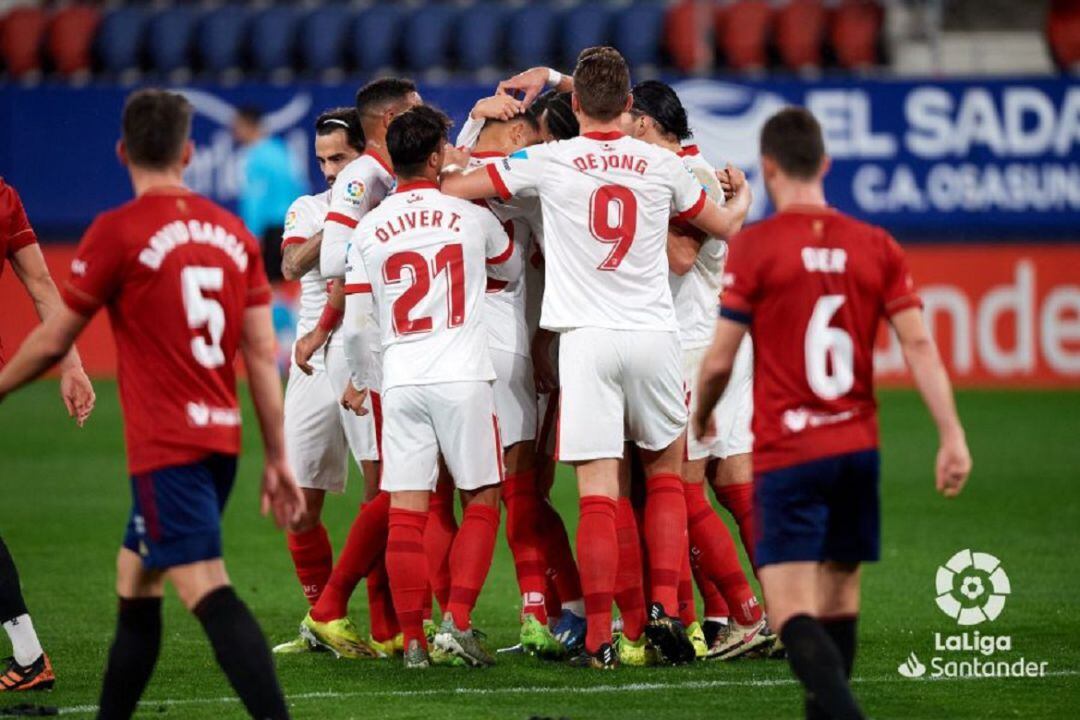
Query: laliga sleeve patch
[354, 192]
[290, 220]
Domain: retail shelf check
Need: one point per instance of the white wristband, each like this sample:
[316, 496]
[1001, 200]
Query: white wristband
[554, 77]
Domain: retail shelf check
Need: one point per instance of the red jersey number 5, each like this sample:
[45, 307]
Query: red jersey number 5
[613, 220]
[204, 313]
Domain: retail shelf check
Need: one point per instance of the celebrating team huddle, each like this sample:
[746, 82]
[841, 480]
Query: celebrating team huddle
[547, 290]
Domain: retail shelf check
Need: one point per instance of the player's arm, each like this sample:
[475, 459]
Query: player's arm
[332, 313]
[533, 81]
[716, 371]
[683, 246]
[496, 107]
[502, 262]
[358, 356]
[45, 346]
[299, 257]
[920, 352]
[257, 342]
[75, 388]
[503, 179]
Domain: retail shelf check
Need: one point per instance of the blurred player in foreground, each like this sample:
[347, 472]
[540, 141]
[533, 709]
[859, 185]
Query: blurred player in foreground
[185, 288]
[812, 285]
[29, 668]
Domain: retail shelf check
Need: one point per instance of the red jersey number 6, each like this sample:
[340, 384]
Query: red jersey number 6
[613, 220]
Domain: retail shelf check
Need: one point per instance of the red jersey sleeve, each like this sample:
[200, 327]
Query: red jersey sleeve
[258, 286]
[740, 281]
[899, 290]
[18, 232]
[96, 271]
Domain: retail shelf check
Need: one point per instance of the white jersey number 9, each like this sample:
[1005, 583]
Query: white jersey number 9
[830, 353]
[204, 312]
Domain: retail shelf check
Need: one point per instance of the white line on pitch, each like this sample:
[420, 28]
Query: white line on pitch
[590, 689]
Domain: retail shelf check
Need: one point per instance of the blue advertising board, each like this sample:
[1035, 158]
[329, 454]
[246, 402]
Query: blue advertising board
[929, 159]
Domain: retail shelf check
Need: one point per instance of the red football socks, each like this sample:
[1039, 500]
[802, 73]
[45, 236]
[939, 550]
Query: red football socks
[739, 501]
[522, 500]
[719, 559]
[363, 548]
[438, 537]
[470, 560]
[629, 587]
[598, 556]
[406, 567]
[555, 545]
[384, 624]
[687, 610]
[313, 559]
[665, 537]
[714, 604]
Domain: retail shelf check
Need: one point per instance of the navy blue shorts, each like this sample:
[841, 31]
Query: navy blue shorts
[828, 509]
[176, 512]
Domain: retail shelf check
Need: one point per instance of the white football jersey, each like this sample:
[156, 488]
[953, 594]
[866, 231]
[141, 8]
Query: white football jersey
[697, 293]
[360, 186]
[428, 257]
[504, 311]
[303, 220]
[607, 200]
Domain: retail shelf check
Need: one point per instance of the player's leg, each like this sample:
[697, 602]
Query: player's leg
[629, 578]
[442, 528]
[733, 484]
[29, 667]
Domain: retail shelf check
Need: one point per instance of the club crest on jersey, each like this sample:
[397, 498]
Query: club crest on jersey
[354, 191]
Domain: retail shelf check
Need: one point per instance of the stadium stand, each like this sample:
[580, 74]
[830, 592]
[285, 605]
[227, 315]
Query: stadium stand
[273, 41]
[322, 38]
[582, 26]
[22, 33]
[854, 33]
[800, 30]
[479, 36]
[375, 36]
[531, 36]
[638, 33]
[169, 36]
[220, 40]
[435, 22]
[120, 40]
[71, 38]
[742, 33]
[1063, 34]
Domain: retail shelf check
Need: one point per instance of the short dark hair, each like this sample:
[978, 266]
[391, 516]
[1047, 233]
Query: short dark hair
[792, 137]
[155, 126]
[251, 113]
[413, 136]
[377, 94]
[601, 82]
[344, 119]
[659, 101]
[561, 121]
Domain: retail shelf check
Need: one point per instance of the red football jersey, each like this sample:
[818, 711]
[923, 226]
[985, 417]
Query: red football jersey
[813, 285]
[176, 272]
[15, 230]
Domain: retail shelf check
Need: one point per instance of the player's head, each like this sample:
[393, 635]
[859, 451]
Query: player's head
[339, 140]
[509, 136]
[380, 101]
[792, 149]
[416, 140]
[601, 84]
[156, 131]
[247, 124]
[657, 114]
[555, 112]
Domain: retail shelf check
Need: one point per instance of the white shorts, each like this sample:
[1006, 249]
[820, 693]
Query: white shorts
[319, 433]
[547, 414]
[619, 386]
[735, 410]
[696, 449]
[456, 420]
[515, 397]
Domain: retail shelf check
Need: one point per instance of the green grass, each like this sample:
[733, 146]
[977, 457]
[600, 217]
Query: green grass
[64, 500]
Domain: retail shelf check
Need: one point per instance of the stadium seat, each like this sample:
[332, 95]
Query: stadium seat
[120, 38]
[71, 38]
[434, 22]
[168, 38]
[854, 32]
[742, 32]
[582, 26]
[685, 36]
[479, 36]
[322, 38]
[220, 38]
[375, 35]
[800, 30]
[1063, 33]
[273, 39]
[21, 33]
[530, 37]
[637, 33]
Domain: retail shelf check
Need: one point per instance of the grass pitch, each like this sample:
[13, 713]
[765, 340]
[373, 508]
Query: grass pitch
[64, 502]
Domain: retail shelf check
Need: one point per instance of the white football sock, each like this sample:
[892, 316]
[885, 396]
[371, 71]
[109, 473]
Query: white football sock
[575, 606]
[24, 641]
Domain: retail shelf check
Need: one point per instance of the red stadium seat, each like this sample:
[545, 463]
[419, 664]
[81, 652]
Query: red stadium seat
[742, 33]
[800, 29]
[854, 32]
[1063, 33]
[21, 33]
[685, 36]
[71, 38]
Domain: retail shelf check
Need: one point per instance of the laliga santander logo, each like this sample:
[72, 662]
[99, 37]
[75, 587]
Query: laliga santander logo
[972, 587]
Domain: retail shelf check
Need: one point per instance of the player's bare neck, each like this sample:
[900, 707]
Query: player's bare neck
[787, 194]
[145, 181]
[377, 147]
[590, 125]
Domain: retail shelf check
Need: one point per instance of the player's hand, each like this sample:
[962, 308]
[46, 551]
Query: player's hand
[530, 83]
[307, 346]
[545, 375]
[78, 394]
[498, 107]
[953, 466]
[703, 425]
[354, 399]
[280, 493]
[731, 179]
[454, 157]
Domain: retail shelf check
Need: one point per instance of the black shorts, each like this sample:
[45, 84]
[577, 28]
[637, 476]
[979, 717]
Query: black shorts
[828, 509]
